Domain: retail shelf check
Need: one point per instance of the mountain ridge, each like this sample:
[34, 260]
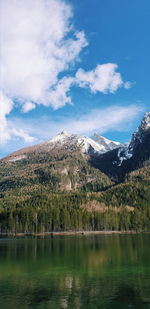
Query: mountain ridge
[71, 162]
[57, 188]
[86, 144]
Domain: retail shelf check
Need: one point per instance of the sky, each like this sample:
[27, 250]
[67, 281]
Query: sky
[81, 66]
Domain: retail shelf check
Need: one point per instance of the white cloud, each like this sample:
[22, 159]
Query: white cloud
[102, 120]
[6, 130]
[6, 106]
[35, 47]
[38, 45]
[103, 78]
[116, 117]
[128, 85]
[23, 134]
[28, 106]
[59, 96]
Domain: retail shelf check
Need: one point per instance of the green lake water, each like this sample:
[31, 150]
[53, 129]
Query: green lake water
[75, 272]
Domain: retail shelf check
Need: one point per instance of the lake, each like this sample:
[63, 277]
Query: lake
[75, 272]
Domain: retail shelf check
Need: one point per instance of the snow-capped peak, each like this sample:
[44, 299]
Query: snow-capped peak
[59, 137]
[89, 145]
[106, 143]
[98, 144]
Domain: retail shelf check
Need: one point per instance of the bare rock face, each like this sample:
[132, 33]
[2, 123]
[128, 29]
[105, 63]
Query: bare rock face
[140, 136]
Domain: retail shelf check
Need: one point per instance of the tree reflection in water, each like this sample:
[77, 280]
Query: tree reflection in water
[91, 272]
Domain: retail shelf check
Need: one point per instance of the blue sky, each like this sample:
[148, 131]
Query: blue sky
[82, 66]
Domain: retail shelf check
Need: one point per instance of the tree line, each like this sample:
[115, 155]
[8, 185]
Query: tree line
[63, 212]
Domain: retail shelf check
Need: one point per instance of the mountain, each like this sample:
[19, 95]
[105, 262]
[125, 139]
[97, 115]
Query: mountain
[85, 144]
[71, 162]
[129, 166]
[67, 142]
[77, 183]
[129, 157]
[140, 139]
[61, 163]
[106, 143]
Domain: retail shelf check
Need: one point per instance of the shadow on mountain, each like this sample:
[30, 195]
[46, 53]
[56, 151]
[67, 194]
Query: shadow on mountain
[105, 163]
[110, 164]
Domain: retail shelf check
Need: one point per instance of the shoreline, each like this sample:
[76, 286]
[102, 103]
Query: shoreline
[71, 233]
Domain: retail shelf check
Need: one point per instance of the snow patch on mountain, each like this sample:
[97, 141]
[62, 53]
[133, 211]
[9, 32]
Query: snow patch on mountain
[59, 138]
[87, 145]
[105, 143]
[123, 154]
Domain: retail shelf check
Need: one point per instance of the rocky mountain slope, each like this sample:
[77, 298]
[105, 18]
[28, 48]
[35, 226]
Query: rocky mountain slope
[68, 162]
[127, 158]
[73, 183]
[69, 143]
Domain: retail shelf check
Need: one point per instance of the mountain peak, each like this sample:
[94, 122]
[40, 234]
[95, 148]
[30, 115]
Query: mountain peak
[108, 144]
[64, 132]
[137, 139]
[145, 123]
[59, 137]
[143, 127]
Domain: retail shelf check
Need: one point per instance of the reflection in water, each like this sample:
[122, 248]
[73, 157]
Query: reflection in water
[128, 297]
[101, 271]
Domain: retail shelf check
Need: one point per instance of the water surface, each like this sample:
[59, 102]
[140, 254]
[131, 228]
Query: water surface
[75, 272]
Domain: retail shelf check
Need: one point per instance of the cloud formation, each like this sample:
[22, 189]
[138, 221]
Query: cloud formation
[103, 120]
[6, 131]
[35, 47]
[39, 45]
[99, 120]
[28, 106]
[103, 78]
[6, 106]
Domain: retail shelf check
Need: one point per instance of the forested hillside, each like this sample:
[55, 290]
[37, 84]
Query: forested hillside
[66, 184]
